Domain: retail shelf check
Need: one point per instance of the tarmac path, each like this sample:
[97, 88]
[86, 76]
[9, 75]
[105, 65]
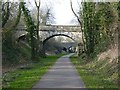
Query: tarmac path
[61, 75]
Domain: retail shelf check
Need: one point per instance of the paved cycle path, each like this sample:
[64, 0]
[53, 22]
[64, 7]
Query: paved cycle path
[62, 75]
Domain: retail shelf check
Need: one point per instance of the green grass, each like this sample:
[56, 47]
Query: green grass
[28, 76]
[94, 74]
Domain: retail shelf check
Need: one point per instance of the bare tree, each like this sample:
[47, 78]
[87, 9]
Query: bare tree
[47, 16]
[5, 13]
[78, 18]
[38, 14]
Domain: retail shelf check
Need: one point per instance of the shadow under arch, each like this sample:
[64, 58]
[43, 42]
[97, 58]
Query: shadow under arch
[57, 35]
[44, 41]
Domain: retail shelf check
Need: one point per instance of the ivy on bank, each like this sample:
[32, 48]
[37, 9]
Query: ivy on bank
[30, 28]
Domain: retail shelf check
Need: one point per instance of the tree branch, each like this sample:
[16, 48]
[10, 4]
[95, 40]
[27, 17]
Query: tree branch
[6, 14]
[75, 13]
[79, 23]
[35, 3]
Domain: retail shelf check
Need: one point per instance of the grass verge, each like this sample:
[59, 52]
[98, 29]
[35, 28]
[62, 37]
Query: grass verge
[25, 77]
[95, 74]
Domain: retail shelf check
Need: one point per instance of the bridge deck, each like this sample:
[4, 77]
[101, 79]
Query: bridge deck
[56, 28]
[61, 28]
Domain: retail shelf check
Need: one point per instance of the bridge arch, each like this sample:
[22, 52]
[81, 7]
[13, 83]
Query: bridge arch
[57, 35]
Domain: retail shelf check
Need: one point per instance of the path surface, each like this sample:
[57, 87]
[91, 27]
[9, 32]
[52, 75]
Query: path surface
[62, 75]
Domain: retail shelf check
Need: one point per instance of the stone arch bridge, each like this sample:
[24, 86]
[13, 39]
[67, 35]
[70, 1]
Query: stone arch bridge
[50, 31]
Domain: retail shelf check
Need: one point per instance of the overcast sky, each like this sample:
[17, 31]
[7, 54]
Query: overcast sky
[61, 10]
[63, 13]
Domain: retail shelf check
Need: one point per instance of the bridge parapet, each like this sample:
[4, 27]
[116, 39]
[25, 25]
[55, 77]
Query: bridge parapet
[61, 28]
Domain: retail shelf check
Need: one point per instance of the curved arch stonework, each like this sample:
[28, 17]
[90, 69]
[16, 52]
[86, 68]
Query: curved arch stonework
[44, 31]
[57, 35]
[70, 31]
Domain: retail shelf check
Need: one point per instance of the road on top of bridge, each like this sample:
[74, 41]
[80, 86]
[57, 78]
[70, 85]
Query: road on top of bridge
[62, 75]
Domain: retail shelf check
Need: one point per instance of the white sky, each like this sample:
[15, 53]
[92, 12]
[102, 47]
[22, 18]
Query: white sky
[63, 13]
[61, 10]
